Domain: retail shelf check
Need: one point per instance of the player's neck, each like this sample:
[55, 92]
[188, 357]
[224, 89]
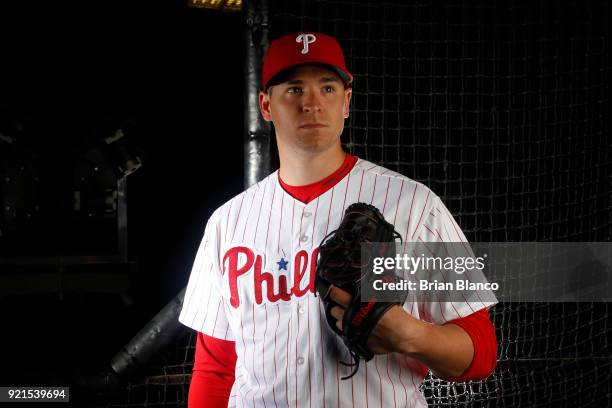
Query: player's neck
[304, 169]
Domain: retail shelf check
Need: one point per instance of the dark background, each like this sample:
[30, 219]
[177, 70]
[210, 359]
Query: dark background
[171, 77]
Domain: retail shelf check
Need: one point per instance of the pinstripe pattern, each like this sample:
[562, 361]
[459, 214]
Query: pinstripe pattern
[287, 355]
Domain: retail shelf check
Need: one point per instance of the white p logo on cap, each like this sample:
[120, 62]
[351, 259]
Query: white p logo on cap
[306, 39]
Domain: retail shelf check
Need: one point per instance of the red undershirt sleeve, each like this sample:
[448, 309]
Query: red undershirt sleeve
[482, 332]
[213, 373]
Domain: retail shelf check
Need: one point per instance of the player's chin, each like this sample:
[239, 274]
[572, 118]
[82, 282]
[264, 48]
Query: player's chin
[314, 137]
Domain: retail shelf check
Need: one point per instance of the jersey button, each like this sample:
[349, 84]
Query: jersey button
[304, 238]
[307, 214]
[300, 360]
[300, 310]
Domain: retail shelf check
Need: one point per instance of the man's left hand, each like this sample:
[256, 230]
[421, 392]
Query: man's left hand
[389, 334]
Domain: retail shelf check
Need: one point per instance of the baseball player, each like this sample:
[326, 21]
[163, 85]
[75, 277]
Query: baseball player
[263, 337]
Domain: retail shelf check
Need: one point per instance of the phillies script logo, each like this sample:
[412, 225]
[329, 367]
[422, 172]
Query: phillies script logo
[240, 260]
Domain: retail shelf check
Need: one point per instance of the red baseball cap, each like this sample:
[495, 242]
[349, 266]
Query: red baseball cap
[304, 48]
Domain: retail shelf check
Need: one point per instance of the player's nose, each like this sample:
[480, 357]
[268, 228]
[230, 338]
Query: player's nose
[311, 102]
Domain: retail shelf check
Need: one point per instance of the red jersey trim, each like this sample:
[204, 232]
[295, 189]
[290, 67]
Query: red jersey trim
[309, 192]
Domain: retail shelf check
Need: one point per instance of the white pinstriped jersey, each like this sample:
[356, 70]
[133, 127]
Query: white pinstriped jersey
[253, 282]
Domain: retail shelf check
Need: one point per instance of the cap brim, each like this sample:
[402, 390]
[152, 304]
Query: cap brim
[280, 77]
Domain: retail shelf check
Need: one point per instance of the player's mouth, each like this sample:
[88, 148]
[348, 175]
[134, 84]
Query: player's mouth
[313, 126]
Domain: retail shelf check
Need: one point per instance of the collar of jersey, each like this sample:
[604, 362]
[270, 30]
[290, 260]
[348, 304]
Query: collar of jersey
[309, 192]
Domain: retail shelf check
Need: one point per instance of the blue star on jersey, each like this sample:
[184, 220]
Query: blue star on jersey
[282, 264]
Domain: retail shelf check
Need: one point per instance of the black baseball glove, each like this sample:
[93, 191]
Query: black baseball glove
[340, 263]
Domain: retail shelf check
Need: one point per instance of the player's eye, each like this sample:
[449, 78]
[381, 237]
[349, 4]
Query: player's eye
[328, 89]
[294, 90]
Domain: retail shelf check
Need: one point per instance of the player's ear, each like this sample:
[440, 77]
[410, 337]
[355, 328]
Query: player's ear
[264, 106]
[348, 92]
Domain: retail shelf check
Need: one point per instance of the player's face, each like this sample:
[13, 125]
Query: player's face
[308, 109]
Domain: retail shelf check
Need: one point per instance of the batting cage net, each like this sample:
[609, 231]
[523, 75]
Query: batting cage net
[501, 108]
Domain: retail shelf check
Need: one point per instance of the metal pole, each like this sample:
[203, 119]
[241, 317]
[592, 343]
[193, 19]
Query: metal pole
[257, 154]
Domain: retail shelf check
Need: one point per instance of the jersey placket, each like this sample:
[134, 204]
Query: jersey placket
[300, 340]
